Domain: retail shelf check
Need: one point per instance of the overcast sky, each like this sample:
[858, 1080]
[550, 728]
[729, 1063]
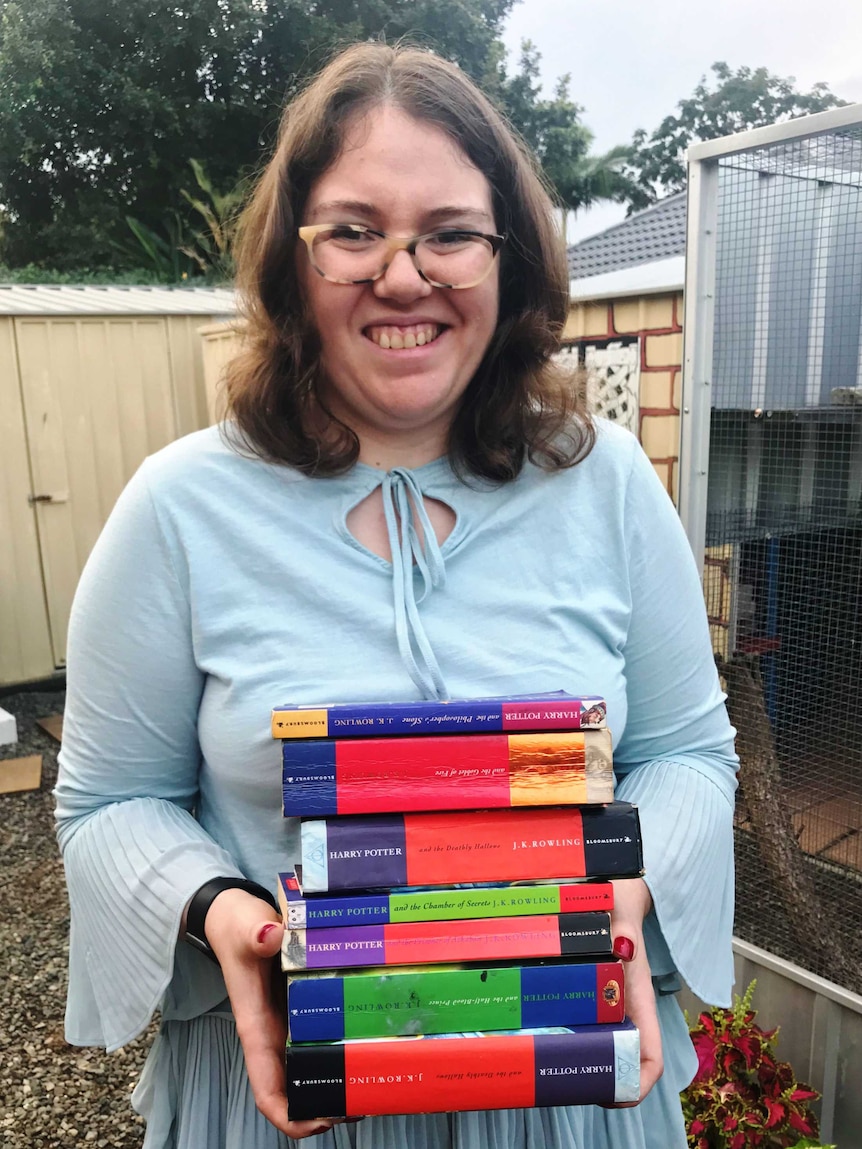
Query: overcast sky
[632, 61]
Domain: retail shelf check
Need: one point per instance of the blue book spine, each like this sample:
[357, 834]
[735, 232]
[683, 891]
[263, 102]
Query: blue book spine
[359, 909]
[553, 711]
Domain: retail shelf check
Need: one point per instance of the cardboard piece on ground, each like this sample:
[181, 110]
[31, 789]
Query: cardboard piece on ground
[53, 724]
[20, 773]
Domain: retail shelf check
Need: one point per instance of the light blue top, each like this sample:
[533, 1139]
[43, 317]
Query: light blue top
[223, 585]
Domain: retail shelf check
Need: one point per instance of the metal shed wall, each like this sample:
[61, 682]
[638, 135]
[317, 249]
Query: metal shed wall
[84, 398]
[772, 348]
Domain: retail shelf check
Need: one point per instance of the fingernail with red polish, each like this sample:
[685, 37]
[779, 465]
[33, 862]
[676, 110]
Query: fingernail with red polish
[264, 930]
[624, 948]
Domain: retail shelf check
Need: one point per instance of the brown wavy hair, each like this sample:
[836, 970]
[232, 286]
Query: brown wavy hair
[520, 404]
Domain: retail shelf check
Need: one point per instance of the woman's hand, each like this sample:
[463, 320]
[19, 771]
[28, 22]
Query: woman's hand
[245, 934]
[632, 903]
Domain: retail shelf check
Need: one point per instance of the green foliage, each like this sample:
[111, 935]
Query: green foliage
[554, 131]
[179, 252]
[104, 101]
[737, 101]
[30, 273]
[211, 249]
[163, 252]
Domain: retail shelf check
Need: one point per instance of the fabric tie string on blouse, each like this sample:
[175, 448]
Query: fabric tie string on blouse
[414, 551]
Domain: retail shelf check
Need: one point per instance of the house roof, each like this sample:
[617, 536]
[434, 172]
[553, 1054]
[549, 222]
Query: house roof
[657, 233]
[41, 299]
[655, 278]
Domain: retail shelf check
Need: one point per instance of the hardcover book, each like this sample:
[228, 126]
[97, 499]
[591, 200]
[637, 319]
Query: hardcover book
[553, 711]
[445, 772]
[427, 904]
[484, 939]
[422, 1000]
[578, 1065]
[481, 846]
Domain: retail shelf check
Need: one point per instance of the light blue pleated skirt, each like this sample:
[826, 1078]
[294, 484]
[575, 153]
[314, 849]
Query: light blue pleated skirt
[194, 1094]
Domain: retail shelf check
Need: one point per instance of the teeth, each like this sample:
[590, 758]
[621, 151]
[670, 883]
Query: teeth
[401, 338]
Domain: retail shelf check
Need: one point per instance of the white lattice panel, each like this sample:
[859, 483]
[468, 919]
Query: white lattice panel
[613, 380]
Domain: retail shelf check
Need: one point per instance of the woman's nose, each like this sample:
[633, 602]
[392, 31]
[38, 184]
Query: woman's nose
[401, 279]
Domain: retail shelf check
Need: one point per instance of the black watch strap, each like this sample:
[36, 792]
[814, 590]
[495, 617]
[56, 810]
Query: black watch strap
[196, 915]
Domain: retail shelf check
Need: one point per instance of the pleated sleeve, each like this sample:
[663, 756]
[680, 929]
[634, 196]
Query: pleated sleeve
[127, 784]
[676, 758]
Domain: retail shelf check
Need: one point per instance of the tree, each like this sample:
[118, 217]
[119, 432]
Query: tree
[554, 131]
[738, 101]
[104, 104]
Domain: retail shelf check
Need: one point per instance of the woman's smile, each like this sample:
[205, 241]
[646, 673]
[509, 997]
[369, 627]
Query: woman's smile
[400, 337]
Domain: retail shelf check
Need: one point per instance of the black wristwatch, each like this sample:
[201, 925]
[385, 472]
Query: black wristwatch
[196, 914]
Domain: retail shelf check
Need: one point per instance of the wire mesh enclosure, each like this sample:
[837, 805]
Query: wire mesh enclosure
[779, 233]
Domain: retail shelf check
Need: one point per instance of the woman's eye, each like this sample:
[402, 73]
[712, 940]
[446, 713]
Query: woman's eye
[451, 239]
[349, 235]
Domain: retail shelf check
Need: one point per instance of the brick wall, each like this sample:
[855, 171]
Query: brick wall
[657, 321]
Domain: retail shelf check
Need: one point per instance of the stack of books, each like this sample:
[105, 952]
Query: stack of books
[452, 884]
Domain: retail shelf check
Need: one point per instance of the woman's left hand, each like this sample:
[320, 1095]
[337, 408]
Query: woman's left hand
[245, 934]
[632, 903]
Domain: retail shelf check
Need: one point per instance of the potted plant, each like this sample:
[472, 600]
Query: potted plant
[742, 1095]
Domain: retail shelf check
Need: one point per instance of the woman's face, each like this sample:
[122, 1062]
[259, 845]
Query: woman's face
[404, 177]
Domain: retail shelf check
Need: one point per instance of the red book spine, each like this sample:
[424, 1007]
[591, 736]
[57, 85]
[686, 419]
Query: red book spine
[446, 772]
[577, 1065]
[440, 849]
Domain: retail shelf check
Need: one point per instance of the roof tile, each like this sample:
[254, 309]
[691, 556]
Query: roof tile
[658, 232]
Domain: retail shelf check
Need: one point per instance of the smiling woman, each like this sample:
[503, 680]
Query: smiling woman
[407, 500]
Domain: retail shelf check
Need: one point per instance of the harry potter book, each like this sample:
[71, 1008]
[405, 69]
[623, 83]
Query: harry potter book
[552, 711]
[483, 939]
[425, 999]
[443, 849]
[578, 1065]
[445, 772]
[426, 904]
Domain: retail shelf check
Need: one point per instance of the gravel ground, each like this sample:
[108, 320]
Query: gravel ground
[51, 1093]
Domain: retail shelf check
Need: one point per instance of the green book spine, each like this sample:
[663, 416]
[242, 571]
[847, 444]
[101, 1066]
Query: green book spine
[438, 1000]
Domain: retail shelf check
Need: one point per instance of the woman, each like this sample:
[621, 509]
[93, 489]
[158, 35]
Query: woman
[395, 508]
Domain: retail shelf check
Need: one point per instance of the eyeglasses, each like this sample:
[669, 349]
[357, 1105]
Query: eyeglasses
[353, 253]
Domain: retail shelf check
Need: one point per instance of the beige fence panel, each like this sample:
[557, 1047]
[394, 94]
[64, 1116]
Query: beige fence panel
[97, 400]
[25, 640]
[220, 342]
[92, 380]
[187, 373]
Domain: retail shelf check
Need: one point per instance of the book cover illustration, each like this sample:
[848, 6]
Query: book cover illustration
[446, 772]
[428, 903]
[484, 939]
[587, 1065]
[556, 710]
[444, 849]
[423, 1000]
